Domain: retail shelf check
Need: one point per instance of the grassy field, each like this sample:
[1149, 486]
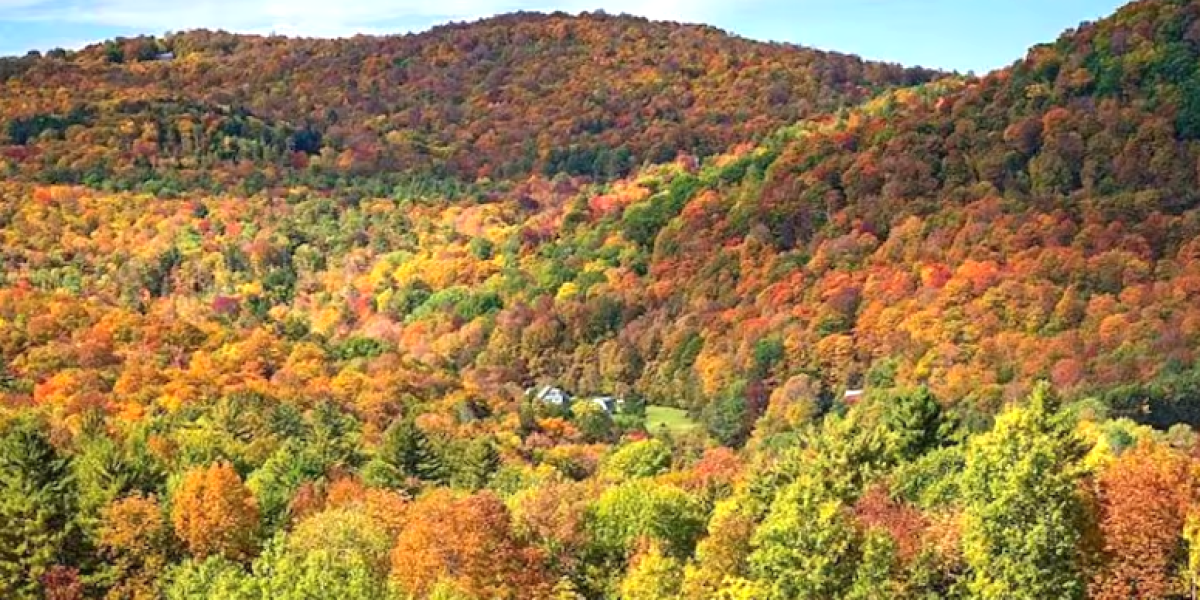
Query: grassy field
[675, 420]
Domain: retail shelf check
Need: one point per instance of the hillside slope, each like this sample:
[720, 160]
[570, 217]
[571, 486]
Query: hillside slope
[311, 380]
[589, 95]
[974, 236]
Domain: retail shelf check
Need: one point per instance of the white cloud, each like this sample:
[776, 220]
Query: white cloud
[324, 17]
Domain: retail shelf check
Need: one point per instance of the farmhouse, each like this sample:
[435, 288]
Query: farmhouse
[556, 396]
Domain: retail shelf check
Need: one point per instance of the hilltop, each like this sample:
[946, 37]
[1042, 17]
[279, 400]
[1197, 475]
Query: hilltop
[505, 97]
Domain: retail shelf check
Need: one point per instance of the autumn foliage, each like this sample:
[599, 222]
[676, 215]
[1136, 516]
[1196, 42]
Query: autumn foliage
[214, 514]
[1146, 497]
[276, 316]
[469, 543]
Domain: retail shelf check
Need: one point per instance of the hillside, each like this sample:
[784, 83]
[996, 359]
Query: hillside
[319, 382]
[591, 95]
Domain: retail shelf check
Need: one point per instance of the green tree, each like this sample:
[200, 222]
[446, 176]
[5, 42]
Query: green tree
[282, 573]
[1023, 513]
[807, 547]
[644, 509]
[593, 421]
[334, 436]
[875, 576]
[914, 421]
[105, 470]
[37, 505]
[275, 483]
[645, 458]
[405, 453]
[479, 462]
[726, 417]
[215, 578]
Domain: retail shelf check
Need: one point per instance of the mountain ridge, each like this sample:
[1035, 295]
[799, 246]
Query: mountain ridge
[495, 98]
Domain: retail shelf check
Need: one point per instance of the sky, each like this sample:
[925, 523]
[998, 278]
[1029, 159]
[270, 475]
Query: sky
[962, 35]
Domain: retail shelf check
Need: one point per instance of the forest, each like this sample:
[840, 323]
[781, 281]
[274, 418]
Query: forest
[278, 317]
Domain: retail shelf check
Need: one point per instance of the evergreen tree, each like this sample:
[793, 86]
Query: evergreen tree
[334, 435]
[916, 424]
[105, 470]
[726, 417]
[275, 483]
[37, 503]
[478, 464]
[408, 449]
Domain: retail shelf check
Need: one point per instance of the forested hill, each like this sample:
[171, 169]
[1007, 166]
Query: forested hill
[977, 236]
[591, 95]
[971, 235]
[242, 360]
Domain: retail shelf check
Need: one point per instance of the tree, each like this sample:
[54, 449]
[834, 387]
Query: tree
[915, 422]
[478, 464]
[276, 482]
[37, 505]
[345, 532]
[105, 470]
[642, 509]
[807, 547]
[723, 554]
[875, 576]
[281, 573]
[1144, 496]
[334, 436]
[1191, 535]
[469, 542]
[215, 514]
[593, 422]
[62, 583]
[405, 453]
[645, 458]
[213, 578]
[136, 538]
[1023, 513]
[727, 416]
[652, 576]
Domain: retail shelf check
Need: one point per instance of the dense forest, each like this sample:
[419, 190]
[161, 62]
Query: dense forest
[523, 94]
[278, 317]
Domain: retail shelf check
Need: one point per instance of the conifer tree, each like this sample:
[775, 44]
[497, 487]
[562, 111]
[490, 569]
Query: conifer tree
[408, 449]
[37, 503]
[478, 464]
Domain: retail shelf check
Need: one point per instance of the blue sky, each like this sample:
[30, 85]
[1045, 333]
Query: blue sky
[964, 35]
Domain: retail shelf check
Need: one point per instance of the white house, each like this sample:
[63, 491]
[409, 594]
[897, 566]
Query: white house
[608, 403]
[551, 395]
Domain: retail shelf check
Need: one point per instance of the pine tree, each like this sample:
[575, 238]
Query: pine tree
[37, 501]
[478, 465]
[407, 448]
[915, 422]
[104, 471]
